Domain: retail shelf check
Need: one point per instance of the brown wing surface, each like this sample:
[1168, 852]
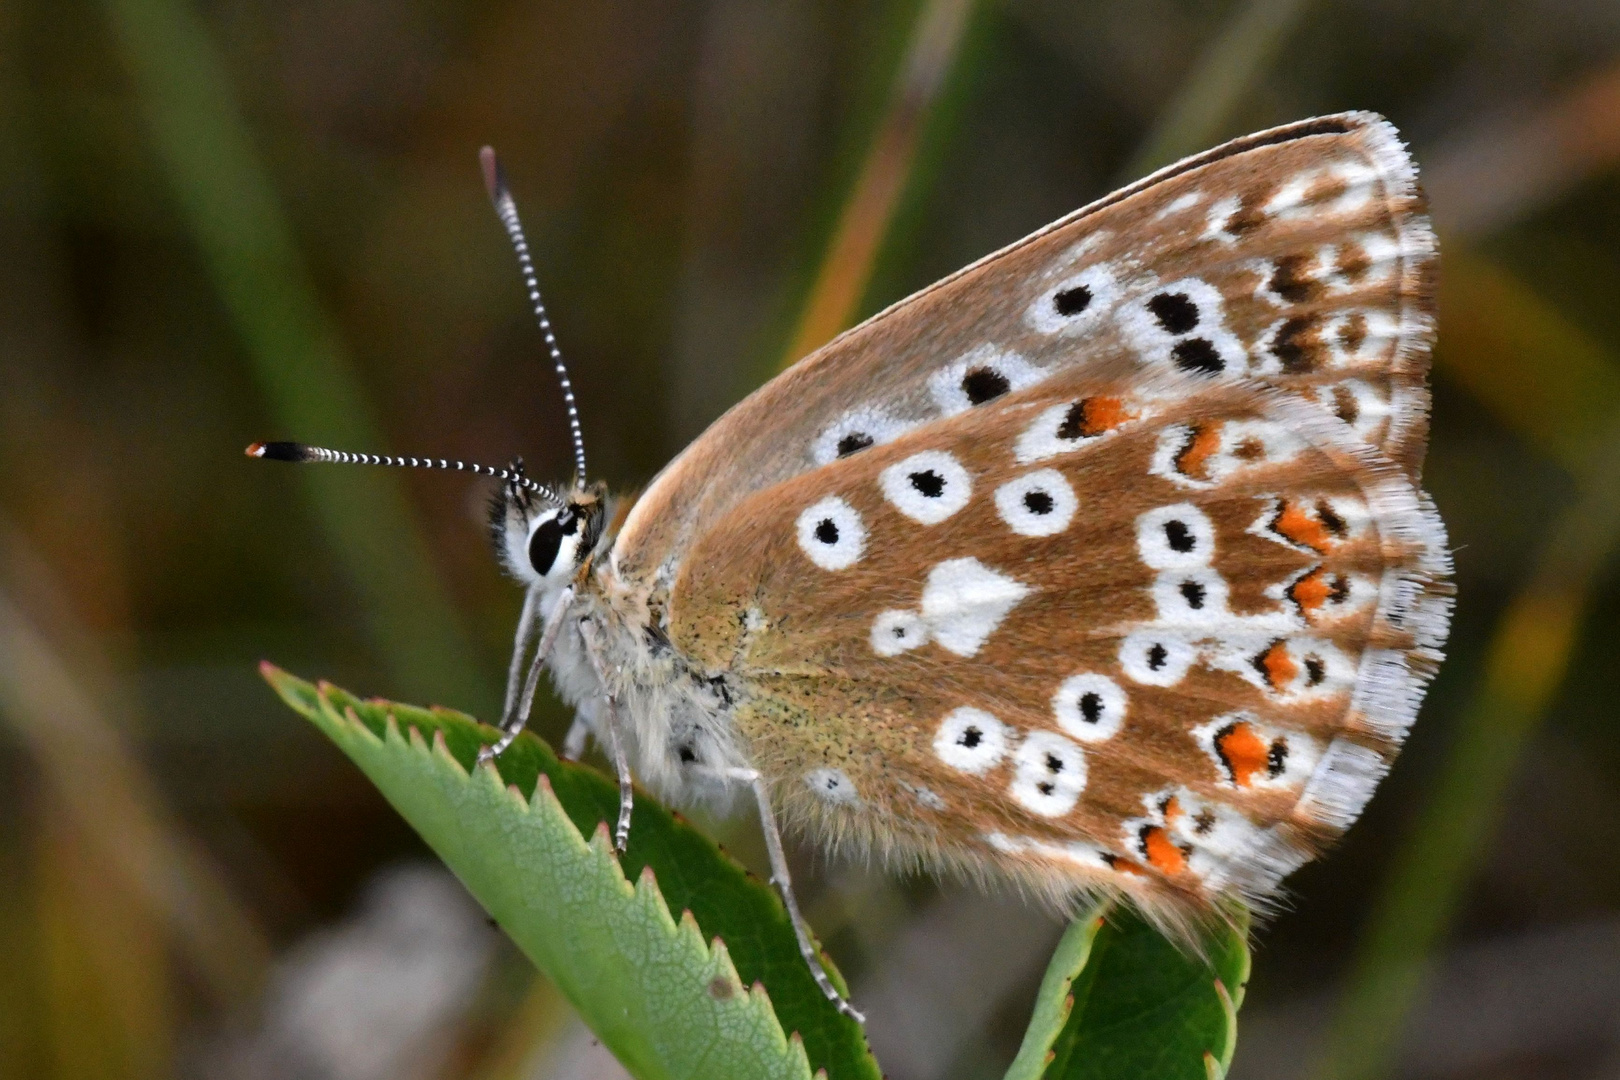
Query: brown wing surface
[1160, 635]
[1299, 257]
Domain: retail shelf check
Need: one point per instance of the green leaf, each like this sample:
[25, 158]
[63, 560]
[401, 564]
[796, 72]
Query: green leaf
[660, 970]
[1054, 1003]
[1137, 1006]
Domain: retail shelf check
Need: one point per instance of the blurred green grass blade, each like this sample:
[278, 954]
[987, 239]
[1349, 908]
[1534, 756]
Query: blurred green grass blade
[1528, 656]
[98, 782]
[1143, 1008]
[863, 223]
[638, 970]
[893, 272]
[1198, 115]
[1054, 1003]
[1539, 374]
[227, 199]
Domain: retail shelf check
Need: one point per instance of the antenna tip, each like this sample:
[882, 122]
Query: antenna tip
[494, 175]
[280, 451]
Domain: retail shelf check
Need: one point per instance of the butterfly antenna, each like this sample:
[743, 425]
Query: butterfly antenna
[292, 451]
[506, 208]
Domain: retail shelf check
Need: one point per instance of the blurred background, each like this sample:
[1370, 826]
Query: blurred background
[243, 220]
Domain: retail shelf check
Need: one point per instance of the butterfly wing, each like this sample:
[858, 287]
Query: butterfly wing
[1160, 635]
[1299, 256]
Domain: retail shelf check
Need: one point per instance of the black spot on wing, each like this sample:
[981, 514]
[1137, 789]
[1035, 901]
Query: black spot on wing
[984, 384]
[1198, 355]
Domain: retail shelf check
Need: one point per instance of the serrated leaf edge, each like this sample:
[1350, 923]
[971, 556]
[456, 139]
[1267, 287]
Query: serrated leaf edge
[713, 959]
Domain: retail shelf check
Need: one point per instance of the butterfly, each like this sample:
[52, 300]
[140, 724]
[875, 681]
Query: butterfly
[1101, 566]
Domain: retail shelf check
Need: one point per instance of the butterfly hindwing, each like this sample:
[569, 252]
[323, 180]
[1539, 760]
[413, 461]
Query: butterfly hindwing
[1300, 257]
[1160, 635]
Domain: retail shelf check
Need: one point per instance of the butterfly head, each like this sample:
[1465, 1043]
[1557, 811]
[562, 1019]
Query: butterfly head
[545, 542]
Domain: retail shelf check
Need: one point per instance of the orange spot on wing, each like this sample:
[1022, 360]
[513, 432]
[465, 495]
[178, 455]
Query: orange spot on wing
[1243, 752]
[1162, 853]
[1294, 523]
[1100, 414]
[1171, 810]
[1277, 665]
[1194, 458]
[1126, 866]
[1311, 591]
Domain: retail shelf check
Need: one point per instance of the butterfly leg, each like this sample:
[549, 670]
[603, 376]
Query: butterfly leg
[784, 884]
[573, 747]
[515, 720]
[615, 738]
[528, 626]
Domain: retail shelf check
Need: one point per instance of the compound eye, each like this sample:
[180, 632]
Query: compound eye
[546, 541]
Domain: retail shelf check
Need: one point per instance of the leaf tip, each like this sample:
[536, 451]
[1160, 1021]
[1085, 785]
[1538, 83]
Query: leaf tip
[298, 695]
[442, 751]
[760, 996]
[352, 717]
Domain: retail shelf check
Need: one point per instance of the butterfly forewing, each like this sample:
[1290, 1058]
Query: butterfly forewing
[1104, 632]
[1300, 257]
[1102, 563]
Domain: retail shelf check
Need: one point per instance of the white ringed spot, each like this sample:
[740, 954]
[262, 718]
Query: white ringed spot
[1040, 503]
[1051, 774]
[982, 375]
[831, 534]
[1294, 667]
[1206, 452]
[1195, 597]
[1248, 754]
[1090, 707]
[861, 427]
[971, 740]
[927, 487]
[895, 632]
[1060, 429]
[1154, 658]
[1175, 537]
[964, 601]
[1183, 325]
[833, 785]
[1076, 303]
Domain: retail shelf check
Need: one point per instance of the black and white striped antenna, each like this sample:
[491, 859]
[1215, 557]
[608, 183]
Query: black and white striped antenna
[293, 451]
[495, 184]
